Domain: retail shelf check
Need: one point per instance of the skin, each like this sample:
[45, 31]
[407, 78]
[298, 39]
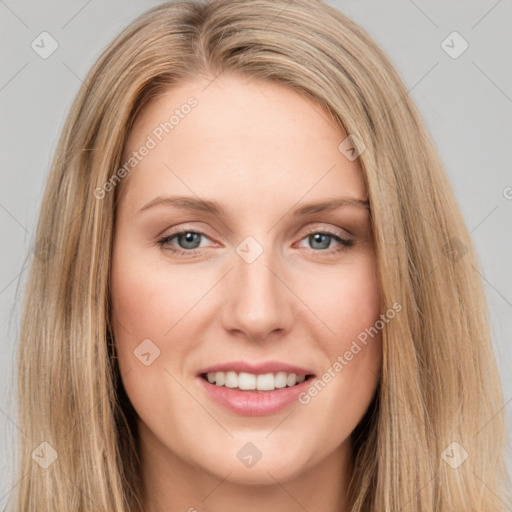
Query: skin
[261, 150]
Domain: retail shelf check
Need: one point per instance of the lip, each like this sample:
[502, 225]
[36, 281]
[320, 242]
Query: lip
[257, 368]
[254, 403]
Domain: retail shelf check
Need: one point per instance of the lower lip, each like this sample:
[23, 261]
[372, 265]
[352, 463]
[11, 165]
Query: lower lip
[251, 403]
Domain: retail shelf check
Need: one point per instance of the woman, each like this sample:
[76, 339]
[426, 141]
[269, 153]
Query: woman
[257, 290]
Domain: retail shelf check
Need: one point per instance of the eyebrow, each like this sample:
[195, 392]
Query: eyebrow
[204, 205]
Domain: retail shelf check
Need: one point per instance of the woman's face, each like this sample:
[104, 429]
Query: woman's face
[224, 270]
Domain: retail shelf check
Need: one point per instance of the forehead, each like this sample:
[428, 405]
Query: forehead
[240, 138]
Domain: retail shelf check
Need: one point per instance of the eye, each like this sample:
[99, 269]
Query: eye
[320, 241]
[188, 241]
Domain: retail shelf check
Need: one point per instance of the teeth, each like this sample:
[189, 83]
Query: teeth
[246, 381]
[280, 380]
[231, 380]
[249, 381]
[266, 382]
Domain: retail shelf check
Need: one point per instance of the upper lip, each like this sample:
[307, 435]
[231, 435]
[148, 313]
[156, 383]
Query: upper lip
[256, 368]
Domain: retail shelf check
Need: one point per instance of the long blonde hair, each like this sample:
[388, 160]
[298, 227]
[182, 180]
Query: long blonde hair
[439, 382]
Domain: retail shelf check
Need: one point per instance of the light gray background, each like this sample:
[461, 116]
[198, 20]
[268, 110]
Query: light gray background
[466, 102]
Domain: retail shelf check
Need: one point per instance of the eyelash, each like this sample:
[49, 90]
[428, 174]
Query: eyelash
[344, 242]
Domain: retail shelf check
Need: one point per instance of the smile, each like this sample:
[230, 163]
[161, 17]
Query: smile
[244, 381]
[254, 389]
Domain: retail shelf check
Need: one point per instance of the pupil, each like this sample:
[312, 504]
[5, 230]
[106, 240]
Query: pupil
[318, 238]
[189, 239]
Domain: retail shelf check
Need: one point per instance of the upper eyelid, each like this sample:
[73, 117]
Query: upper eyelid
[185, 230]
[329, 230]
[314, 229]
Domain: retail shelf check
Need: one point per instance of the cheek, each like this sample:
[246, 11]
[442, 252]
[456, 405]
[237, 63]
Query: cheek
[146, 305]
[348, 302]
[141, 307]
[349, 305]
[148, 302]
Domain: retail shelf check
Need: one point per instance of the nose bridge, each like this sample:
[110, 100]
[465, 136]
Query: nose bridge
[258, 302]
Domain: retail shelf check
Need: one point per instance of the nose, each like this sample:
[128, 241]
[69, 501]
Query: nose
[259, 303]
